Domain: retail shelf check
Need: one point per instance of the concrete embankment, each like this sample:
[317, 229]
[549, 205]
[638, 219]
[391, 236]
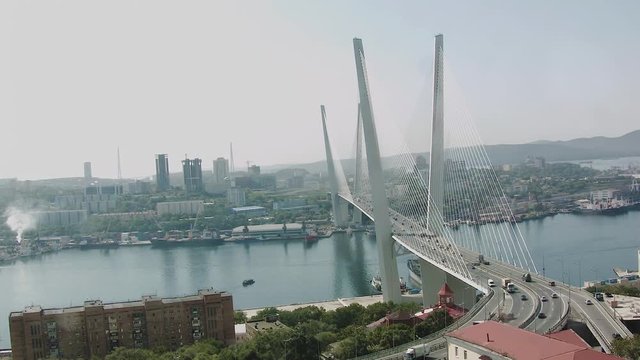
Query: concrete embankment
[327, 305]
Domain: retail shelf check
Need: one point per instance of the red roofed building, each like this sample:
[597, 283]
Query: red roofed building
[492, 340]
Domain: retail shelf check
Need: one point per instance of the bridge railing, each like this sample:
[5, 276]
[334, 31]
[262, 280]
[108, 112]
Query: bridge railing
[434, 339]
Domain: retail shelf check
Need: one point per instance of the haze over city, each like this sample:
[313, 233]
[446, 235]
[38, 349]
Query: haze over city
[78, 79]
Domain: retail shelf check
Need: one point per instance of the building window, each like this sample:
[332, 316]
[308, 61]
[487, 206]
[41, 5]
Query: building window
[456, 351]
[464, 354]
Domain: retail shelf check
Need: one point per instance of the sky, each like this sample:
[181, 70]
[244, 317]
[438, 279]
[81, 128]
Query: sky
[80, 79]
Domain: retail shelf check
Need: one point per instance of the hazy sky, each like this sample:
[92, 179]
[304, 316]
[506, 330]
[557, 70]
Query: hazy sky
[79, 78]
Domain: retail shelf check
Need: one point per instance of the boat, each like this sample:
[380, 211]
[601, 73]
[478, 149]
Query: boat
[311, 236]
[376, 283]
[177, 238]
[248, 282]
[605, 207]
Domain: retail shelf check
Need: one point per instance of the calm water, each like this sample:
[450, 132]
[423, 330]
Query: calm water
[287, 271]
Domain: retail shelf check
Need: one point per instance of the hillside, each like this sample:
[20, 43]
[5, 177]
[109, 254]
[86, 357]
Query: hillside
[598, 147]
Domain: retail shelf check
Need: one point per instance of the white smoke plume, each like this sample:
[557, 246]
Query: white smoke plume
[19, 221]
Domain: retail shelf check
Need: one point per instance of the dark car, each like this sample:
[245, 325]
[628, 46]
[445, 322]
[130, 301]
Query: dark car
[552, 283]
[542, 316]
[616, 336]
[523, 297]
[609, 295]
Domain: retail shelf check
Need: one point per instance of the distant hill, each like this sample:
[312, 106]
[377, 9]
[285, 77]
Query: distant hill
[598, 147]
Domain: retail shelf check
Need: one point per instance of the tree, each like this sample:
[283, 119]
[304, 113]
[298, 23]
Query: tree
[239, 317]
[628, 348]
[131, 354]
[438, 320]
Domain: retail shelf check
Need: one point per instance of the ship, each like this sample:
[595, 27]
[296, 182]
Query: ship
[605, 207]
[192, 238]
[248, 282]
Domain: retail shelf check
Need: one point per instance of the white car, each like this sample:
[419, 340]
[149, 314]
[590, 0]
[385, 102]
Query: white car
[491, 283]
[588, 302]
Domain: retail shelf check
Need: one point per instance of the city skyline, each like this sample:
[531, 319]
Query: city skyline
[528, 72]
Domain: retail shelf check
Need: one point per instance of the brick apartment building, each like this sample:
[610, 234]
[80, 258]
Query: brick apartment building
[96, 328]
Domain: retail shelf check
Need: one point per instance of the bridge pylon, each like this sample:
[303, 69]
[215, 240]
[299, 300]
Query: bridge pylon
[338, 206]
[386, 254]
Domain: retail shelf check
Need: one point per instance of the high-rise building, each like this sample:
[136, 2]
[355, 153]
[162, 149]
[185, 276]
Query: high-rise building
[220, 170]
[87, 171]
[253, 170]
[162, 172]
[192, 171]
[95, 329]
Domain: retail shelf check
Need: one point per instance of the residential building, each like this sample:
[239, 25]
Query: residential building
[236, 197]
[192, 172]
[60, 217]
[494, 340]
[253, 170]
[162, 173]
[96, 328]
[139, 187]
[87, 171]
[221, 170]
[189, 207]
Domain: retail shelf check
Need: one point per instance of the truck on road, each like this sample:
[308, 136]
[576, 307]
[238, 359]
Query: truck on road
[508, 285]
[417, 352]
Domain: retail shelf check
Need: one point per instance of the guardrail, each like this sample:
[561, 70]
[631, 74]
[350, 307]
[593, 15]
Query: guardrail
[433, 339]
[604, 342]
[562, 322]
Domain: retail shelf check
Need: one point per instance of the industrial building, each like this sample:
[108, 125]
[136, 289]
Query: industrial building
[96, 328]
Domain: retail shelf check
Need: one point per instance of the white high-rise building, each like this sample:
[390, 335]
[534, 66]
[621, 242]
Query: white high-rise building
[220, 170]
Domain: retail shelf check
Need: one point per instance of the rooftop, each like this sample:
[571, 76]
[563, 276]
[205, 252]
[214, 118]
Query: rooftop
[516, 343]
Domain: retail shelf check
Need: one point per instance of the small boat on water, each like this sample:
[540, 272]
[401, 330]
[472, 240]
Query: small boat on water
[248, 282]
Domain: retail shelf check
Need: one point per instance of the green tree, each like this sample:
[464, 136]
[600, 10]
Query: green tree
[131, 354]
[628, 348]
[239, 317]
[435, 322]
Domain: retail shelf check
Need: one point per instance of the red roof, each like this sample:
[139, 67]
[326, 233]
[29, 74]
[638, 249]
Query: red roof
[569, 336]
[445, 290]
[525, 345]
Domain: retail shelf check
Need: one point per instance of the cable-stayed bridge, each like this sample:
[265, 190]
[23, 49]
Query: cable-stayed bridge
[433, 211]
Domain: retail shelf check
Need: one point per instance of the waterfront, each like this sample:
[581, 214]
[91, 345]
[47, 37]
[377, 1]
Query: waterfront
[287, 271]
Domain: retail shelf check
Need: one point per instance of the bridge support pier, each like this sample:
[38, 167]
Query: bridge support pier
[432, 280]
[340, 211]
[356, 216]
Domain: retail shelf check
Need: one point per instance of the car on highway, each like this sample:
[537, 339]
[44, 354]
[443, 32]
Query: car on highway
[523, 297]
[609, 295]
[542, 315]
[552, 283]
[554, 296]
[616, 336]
[543, 298]
[588, 302]
[491, 283]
